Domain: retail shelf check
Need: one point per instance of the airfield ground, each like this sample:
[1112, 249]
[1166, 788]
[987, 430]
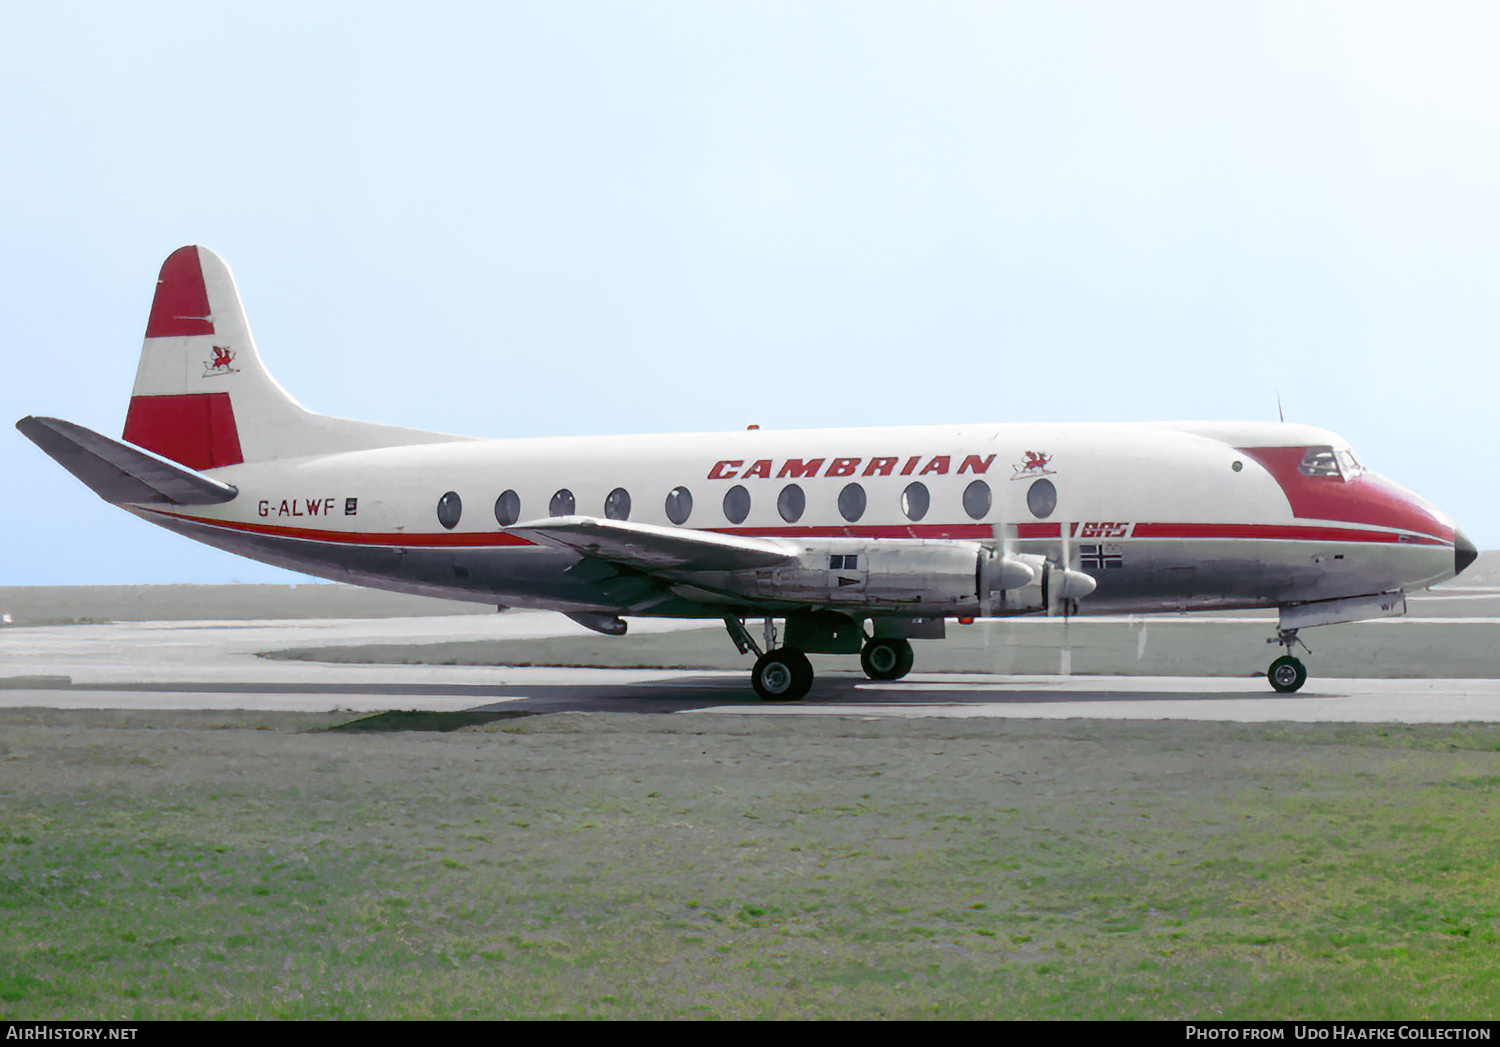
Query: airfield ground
[491, 857]
[168, 865]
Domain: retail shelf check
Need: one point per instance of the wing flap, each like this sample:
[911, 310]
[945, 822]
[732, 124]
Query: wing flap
[653, 548]
[118, 472]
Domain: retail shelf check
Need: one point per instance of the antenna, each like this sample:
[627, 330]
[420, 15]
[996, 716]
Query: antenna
[1280, 414]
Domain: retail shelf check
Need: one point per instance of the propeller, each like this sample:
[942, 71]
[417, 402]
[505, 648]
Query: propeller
[1004, 534]
[1005, 571]
[1066, 587]
[1065, 657]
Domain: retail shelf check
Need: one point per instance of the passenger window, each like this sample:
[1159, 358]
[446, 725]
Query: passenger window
[915, 501]
[791, 503]
[449, 509]
[507, 508]
[1041, 499]
[679, 505]
[977, 499]
[617, 505]
[852, 502]
[736, 504]
[562, 503]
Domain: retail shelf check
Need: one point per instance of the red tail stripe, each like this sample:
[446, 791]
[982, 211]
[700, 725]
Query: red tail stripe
[194, 429]
[181, 303]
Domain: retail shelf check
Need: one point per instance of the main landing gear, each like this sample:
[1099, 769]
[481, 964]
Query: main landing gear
[783, 674]
[1287, 674]
[886, 658]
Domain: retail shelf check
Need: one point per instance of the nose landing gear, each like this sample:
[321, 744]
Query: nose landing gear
[1287, 674]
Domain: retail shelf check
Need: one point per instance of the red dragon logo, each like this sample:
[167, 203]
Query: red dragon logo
[1033, 464]
[221, 363]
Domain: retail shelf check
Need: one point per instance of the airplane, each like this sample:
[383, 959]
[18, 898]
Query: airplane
[841, 541]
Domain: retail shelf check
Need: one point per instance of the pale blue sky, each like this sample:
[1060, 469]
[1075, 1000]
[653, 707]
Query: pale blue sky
[554, 218]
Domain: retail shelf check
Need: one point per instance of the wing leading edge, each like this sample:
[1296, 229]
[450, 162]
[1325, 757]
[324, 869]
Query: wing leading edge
[652, 548]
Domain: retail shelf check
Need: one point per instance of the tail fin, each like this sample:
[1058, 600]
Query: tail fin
[202, 397]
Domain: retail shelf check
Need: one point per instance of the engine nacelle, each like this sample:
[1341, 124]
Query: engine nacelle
[1045, 587]
[937, 577]
[1030, 595]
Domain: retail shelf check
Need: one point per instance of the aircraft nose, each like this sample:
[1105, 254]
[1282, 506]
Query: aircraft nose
[1464, 552]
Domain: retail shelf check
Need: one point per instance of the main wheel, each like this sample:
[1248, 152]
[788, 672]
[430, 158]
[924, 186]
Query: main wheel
[782, 675]
[886, 658]
[1287, 674]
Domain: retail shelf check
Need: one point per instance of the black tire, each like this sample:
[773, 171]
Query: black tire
[782, 675]
[886, 658]
[1287, 674]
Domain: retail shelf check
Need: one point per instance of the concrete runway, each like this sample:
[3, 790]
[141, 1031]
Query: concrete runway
[214, 666]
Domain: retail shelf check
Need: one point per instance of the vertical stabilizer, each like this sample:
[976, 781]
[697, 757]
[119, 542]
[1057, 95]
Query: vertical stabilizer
[202, 397]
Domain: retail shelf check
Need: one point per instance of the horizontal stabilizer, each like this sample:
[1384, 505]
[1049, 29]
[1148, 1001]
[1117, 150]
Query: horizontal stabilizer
[118, 472]
[655, 548]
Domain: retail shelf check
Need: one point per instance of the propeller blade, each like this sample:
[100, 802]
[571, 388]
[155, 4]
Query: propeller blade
[1066, 658]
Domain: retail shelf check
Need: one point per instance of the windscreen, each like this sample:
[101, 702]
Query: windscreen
[1336, 463]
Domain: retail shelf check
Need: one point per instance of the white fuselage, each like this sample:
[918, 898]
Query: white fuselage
[1177, 516]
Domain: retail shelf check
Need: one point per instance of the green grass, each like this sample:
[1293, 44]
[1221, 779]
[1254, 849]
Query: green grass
[714, 867]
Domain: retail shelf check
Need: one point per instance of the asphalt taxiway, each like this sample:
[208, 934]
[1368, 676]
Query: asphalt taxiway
[217, 665]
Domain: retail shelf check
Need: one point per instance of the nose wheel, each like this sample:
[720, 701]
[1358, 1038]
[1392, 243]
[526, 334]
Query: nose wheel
[1287, 674]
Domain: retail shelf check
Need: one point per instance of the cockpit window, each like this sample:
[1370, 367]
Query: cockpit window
[1319, 461]
[1327, 461]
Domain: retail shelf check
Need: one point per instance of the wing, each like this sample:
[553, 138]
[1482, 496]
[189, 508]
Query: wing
[118, 472]
[652, 548]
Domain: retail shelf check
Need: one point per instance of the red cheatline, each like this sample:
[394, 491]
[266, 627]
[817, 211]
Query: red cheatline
[483, 539]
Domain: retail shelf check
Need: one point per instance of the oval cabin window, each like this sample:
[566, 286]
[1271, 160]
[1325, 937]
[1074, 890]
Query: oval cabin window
[791, 503]
[915, 501]
[852, 502]
[507, 508]
[449, 508]
[617, 505]
[679, 505]
[736, 504]
[977, 500]
[1041, 499]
